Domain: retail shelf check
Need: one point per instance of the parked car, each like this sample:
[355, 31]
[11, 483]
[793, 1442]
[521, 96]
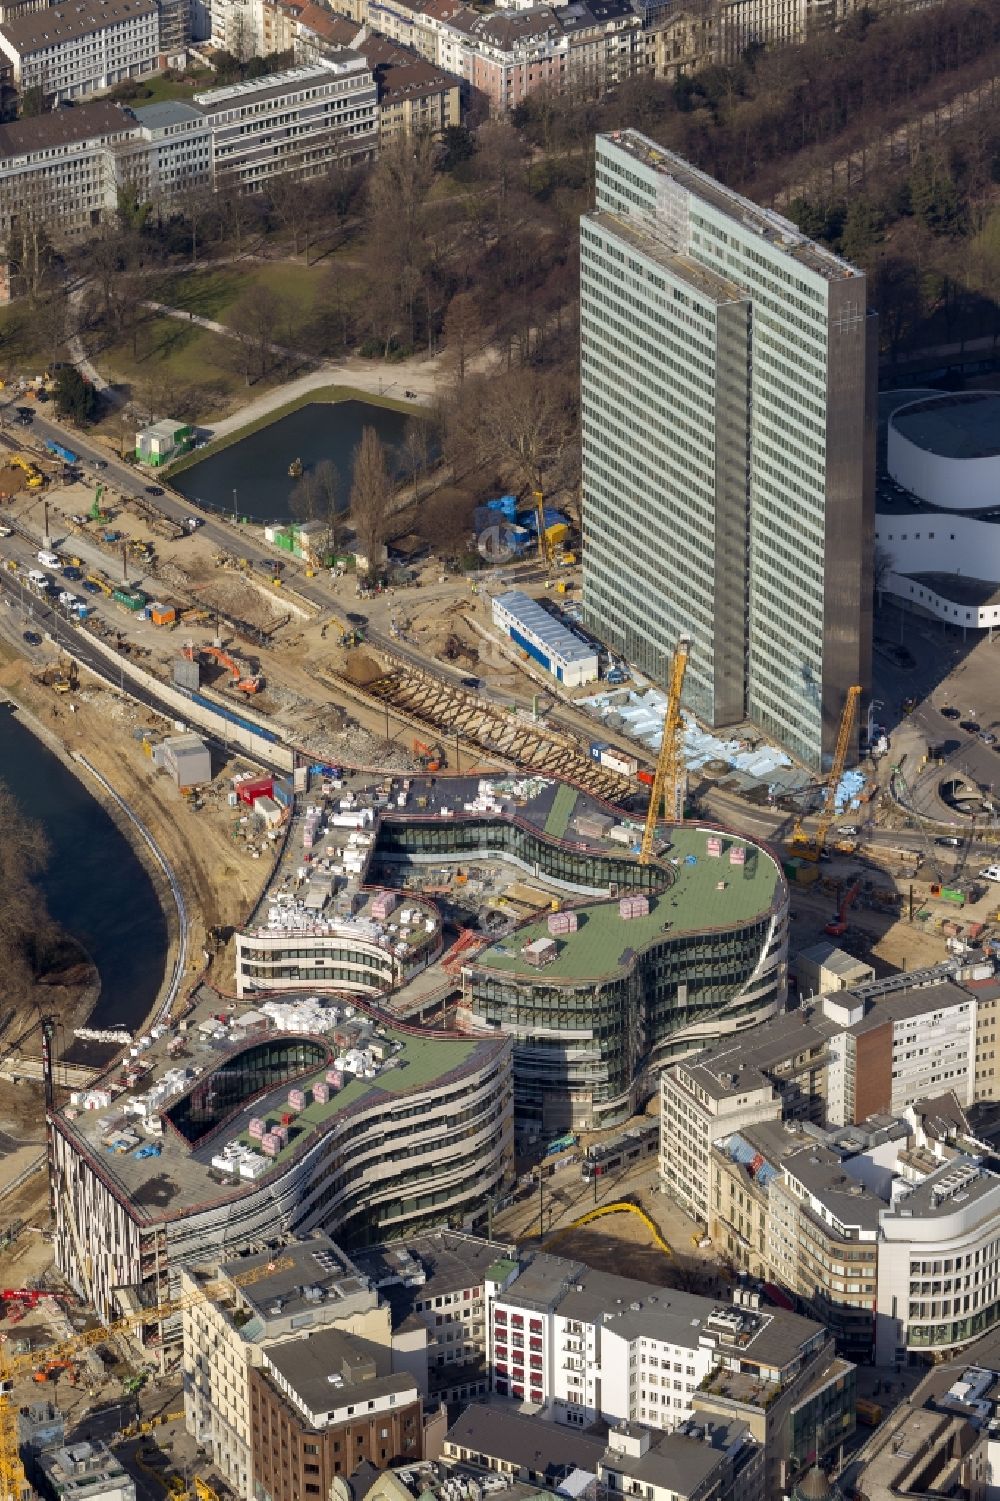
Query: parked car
[193, 522]
[90, 588]
[33, 638]
[970, 726]
[154, 490]
[75, 574]
[849, 830]
[100, 463]
[950, 841]
[988, 738]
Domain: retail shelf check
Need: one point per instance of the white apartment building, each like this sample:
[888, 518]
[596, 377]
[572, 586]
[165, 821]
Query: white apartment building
[590, 1347]
[171, 152]
[258, 1302]
[64, 169]
[698, 1105]
[70, 51]
[300, 121]
[59, 169]
[902, 1047]
[939, 1262]
[855, 1054]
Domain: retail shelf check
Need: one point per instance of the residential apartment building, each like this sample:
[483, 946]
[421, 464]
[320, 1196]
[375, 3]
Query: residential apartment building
[438, 1282]
[987, 1050]
[850, 1056]
[321, 1406]
[414, 96]
[59, 169]
[697, 1462]
[899, 1048]
[588, 1346]
[679, 41]
[65, 169]
[728, 446]
[71, 51]
[504, 55]
[300, 122]
[253, 1304]
[773, 1072]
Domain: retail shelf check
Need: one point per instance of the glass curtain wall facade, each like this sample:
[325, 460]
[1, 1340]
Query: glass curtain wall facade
[728, 447]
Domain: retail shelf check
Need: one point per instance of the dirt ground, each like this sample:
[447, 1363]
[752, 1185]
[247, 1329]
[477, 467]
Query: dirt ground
[214, 862]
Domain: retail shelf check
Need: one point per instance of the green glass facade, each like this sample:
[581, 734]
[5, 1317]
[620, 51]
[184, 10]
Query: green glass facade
[584, 1045]
[728, 447]
[237, 1080]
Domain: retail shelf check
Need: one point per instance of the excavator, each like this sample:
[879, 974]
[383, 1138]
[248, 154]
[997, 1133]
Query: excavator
[430, 755]
[837, 926]
[61, 675]
[241, 679]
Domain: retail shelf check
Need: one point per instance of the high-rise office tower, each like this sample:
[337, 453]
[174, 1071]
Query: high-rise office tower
[728, 369]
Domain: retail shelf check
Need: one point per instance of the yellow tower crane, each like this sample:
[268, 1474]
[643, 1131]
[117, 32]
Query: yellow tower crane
[664, 788]
[801, 843]
[12, 1367]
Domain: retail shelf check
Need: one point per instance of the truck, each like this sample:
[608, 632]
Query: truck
[868, 1414]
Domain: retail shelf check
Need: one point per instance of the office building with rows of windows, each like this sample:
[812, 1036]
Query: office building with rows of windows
[728, 447]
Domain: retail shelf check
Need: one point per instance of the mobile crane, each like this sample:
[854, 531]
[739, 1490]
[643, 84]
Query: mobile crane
[62, 1352]
[801, 843]
[664, 788]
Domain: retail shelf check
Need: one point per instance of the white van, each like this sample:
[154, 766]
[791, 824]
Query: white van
[991, 873]
[48, 559]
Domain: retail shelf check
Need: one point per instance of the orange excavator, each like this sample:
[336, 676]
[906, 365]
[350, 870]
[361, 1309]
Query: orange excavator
[50, 1371]
[837, 926]
[240, 678]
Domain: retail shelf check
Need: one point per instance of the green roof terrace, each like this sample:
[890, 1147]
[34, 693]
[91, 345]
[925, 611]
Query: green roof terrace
[705, 893]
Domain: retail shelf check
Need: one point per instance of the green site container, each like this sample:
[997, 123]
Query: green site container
[949, 894]
[131, 599]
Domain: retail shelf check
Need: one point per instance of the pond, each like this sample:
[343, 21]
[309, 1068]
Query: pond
[251, 475]
[95, 885]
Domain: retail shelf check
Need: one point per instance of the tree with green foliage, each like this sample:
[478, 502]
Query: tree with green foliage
[76, 397]
[862, 230]
[934, 195]
[458, 145]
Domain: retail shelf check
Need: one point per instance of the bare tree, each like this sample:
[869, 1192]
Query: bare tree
[463, 332]
[255, 320]
[416, 449]
[371, 492]
[27, 933]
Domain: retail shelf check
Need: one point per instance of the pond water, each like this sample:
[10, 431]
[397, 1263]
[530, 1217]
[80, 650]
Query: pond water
[96, 886]
[251, 476]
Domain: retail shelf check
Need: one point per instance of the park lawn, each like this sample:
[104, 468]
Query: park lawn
[161, 88]
[19, 342]
[185, 357]
[214, 293]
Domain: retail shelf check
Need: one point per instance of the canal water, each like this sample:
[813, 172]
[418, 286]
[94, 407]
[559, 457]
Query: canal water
[251, 477]
[95, 885]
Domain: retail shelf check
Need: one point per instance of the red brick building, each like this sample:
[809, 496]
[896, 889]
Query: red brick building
[321, 1405]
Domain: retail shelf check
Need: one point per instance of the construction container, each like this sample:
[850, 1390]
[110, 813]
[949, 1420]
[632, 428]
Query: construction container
[296, 1099]
[321, 1093]
[806, 874]
[541, 951]
[383, 904]
[251, 788]
[271, 1144]
[619, 761]
[335, 1078]
[951, 894]
[129, 599]
[713, 846]
[633, 906]
[256, 1127]
[161, 614]
[562, 922]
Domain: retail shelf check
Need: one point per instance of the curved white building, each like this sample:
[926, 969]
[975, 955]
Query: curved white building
[939, 1263]
[945, 449]
[937, 515]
